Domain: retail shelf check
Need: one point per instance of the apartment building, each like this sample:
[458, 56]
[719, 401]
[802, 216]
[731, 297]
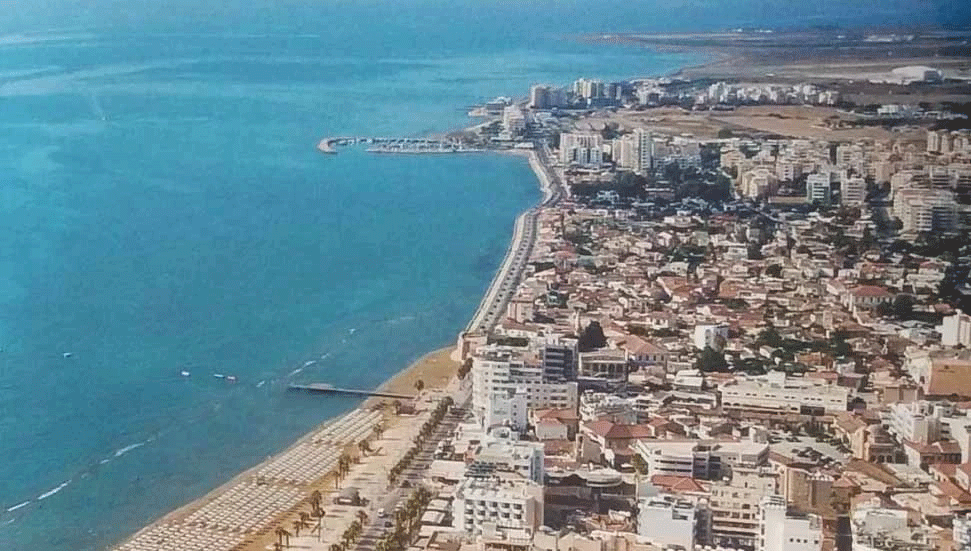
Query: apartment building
[497, 504]
[777, 393]
[700, 459]
[581, 148]
[782, 530]
[500, 371]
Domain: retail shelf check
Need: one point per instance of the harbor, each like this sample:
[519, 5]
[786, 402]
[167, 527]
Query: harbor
[395, 145]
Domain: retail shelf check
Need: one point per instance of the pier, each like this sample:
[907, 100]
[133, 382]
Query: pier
[395, 145]
[324, 388]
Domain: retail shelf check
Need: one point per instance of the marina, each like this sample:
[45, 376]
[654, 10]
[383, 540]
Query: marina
[395, 145]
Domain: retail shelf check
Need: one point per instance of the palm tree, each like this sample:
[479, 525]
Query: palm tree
[297, 525]
[277, 546]
[419, 385]
[378, 430]
[362, 516]
[315, 499]
[335, 547]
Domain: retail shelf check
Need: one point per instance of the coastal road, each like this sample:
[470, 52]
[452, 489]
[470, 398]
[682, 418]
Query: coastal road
[493, 306]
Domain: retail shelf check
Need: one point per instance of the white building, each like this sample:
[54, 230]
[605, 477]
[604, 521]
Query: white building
[596, 405]
[734, 506]
[497, 505]
[923, 209]
[956, 330]
[853, 191]
[645, 151]
[777, 393]
[581, 148]
[498, 372]
[780, 531]
[700, 459]
[514, 120]
[962, 533]
[919, 422]
[522, 458]
[666, 520]
[511, 410]
[710, 336]
[818, 189]
[757, 183]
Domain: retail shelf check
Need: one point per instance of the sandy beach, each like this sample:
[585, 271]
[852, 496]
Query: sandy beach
[244, 512]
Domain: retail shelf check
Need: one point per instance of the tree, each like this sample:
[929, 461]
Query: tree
[769, 337]
[711, 360]
[903, 306]
[775, 270]
[592, 337]
[283, 534]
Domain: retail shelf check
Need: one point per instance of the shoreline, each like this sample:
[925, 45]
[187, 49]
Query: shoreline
[401, 381]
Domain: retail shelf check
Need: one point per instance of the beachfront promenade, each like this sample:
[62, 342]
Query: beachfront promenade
[504, 284]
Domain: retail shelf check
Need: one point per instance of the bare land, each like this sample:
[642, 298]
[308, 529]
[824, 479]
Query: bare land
[794, 121]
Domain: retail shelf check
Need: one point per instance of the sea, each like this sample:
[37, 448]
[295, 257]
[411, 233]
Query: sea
[163, 210]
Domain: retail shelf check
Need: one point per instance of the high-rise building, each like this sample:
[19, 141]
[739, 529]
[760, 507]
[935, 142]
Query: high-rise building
[514, 120]
[539, 97]
[581, 148]
[852, 191]
[956, 329]
[499, 372]
[818, 189]
[645, 151]
[922, 209]
[588, 89]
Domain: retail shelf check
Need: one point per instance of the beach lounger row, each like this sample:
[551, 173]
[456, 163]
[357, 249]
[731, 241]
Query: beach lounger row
[173, 537]
[245, 508]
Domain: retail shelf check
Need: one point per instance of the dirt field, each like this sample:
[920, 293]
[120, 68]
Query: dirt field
[792, 121]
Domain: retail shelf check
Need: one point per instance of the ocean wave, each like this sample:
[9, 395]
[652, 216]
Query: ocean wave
[53, 491]
[18, 506]
[122, 451]
[295, 371]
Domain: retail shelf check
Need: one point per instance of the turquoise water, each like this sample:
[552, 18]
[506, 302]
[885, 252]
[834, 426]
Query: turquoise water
[162, 208]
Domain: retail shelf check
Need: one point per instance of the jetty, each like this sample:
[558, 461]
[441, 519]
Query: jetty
[395, 145]
[324, 388]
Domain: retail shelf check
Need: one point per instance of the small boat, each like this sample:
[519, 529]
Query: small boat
[67, 355]
[185, 373]
[231, 378]
[219, 375]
